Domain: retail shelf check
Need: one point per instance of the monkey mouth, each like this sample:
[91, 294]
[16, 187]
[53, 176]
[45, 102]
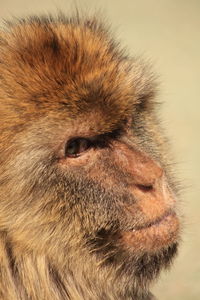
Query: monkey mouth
[154, 235]
[155, 222]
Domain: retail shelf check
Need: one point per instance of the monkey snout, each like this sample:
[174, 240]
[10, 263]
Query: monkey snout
[145, 172]
[148, 175]
[153, 184]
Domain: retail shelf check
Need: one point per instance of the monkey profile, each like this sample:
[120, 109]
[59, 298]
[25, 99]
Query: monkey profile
[87, 197]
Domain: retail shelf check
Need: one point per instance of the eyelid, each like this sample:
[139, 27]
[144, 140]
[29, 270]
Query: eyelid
[98, 141]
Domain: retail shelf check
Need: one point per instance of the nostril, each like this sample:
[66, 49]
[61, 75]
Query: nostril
[145, 188]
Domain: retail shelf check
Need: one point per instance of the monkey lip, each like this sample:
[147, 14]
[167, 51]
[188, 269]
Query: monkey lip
[155, 222]
[154, 235]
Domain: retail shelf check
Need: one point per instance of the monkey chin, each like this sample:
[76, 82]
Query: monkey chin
[153, 236]
[140, 253]
[150, 248]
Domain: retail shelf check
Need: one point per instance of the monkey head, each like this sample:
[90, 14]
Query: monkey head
[85, 179]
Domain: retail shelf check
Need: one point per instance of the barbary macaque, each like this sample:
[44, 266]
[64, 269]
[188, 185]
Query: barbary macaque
[87, 197]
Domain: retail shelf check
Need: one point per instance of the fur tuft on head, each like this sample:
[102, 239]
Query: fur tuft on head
[69, 62]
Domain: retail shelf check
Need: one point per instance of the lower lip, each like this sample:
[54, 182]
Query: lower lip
[152, 238]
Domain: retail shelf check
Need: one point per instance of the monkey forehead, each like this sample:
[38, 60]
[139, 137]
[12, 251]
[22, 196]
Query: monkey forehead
[71, 63]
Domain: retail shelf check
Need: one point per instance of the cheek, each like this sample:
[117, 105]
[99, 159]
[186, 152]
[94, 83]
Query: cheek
[108, 172]
[82, 161]
[97, 166]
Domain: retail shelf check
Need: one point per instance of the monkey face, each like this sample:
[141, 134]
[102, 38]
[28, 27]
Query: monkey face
[137, 201]
[132, 207]
[116, 195]
[85, 172]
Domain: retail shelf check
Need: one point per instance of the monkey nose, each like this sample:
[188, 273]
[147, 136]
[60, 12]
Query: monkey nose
[152, 190]
[149, 176]
[155, 186]
[153, 195]
[151, 180]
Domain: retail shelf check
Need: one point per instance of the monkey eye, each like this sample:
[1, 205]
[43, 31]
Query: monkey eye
[76, 146]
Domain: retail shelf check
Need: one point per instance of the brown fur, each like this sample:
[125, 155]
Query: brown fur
[61, 219]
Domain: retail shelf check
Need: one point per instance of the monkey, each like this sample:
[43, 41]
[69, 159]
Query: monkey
[88, 199]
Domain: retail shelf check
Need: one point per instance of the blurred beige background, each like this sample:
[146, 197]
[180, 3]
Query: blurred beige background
[168, 33]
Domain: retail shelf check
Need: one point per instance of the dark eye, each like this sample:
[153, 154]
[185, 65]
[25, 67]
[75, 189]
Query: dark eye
[76, 146]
